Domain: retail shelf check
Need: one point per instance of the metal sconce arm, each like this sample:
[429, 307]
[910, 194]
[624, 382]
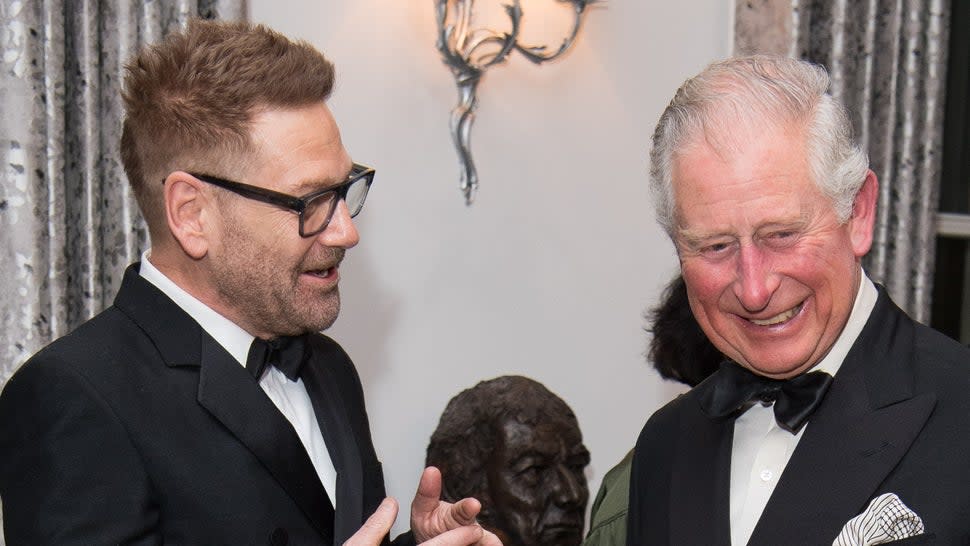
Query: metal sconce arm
[461, 49]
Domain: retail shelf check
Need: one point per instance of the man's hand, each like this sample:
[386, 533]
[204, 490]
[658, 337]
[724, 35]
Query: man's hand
[377, 525]
[435, 522]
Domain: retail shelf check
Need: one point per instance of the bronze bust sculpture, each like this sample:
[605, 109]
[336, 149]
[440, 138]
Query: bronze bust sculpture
[515, 446]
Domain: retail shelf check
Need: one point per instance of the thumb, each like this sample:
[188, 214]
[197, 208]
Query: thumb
[428, 494]
[377, 525]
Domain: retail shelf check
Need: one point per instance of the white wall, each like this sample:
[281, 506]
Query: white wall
[548, 273]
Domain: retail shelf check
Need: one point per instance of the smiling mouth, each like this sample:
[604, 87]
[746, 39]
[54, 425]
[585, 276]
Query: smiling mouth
[784, 316]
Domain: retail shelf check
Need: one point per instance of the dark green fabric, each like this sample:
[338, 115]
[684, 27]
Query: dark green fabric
[607, 526]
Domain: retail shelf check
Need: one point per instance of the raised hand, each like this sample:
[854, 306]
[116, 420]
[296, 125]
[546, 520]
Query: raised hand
[435, 522]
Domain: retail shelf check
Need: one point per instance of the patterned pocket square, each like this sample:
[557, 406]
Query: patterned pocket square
[885, 520]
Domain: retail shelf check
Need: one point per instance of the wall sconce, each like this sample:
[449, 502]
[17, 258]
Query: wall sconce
[469, 53]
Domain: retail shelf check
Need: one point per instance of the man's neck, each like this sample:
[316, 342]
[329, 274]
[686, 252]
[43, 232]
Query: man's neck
[228, 333]
[192, 277]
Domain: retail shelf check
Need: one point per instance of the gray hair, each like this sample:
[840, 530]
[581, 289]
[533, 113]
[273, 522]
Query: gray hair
[755, 92]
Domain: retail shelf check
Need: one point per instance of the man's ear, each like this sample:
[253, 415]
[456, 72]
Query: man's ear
[863, 219]
[187, 211]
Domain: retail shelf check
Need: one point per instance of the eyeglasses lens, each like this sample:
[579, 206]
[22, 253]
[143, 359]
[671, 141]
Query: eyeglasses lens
[356, 194]
[319, 210]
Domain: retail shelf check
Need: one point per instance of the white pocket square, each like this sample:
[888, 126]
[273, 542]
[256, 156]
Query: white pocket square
[885, 520]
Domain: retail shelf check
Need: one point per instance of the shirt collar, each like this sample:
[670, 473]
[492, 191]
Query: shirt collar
[865, 301]
[233, 338]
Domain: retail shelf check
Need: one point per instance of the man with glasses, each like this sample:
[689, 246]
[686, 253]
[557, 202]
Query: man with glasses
[204, 407]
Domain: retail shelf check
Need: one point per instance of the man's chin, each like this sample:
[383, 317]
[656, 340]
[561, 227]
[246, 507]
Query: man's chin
[319, 317]
[780, 368]
[321, 325]
[296, 326]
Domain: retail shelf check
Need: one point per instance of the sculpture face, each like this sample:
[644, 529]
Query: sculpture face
[537, 491]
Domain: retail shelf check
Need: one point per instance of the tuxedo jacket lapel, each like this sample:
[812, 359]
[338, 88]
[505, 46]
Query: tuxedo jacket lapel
[331, 414]
[229, 394]
[232, 397]
[700, 491]
[865, 425]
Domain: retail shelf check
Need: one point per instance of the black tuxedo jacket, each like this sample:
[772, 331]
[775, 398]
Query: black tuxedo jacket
[895, 420]
[139, 428]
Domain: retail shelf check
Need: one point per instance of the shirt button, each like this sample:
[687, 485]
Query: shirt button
[766, 475]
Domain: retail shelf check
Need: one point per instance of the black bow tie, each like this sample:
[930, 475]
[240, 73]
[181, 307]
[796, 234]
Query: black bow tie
[286, 353]
[734, 387]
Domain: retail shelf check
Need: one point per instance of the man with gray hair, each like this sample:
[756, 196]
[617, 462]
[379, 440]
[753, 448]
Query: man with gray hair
[837, 419]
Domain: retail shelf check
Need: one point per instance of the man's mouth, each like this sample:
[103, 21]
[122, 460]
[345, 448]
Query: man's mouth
[322, 273]
[780, 317]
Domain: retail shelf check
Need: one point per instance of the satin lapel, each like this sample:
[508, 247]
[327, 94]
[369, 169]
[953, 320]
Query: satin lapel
[228, 393]
[865, 425]
[700, 490]
[232, 397]
[331, 413]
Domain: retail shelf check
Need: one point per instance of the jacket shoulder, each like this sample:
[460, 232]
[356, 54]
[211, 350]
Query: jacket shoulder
[609, 513]
[90, 347]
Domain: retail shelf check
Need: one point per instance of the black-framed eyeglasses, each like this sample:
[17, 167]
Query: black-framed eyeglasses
[315, 209]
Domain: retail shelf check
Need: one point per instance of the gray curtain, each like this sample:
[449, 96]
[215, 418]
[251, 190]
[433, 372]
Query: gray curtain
[68, 222]
[887, 59]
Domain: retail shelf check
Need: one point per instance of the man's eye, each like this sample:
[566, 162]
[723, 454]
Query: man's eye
[715, 248]
[781, 238]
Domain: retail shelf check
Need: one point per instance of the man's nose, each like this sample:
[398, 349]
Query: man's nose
[755, 281]
[341, 231]
[569, 489]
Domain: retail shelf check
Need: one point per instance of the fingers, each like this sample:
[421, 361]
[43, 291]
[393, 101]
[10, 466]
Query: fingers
[377, 525]
[489, 539]
[464, 511]
[427, 502]
[470, 535]
[431, 517]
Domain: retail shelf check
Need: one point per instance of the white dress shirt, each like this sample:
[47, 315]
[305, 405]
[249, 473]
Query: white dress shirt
[762, 449]
[289, 396]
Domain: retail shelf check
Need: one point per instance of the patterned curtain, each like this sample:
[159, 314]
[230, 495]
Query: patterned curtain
[887, 59]
[68, 222]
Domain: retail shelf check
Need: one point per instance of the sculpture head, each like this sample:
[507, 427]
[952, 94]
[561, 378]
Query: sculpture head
[516, 447]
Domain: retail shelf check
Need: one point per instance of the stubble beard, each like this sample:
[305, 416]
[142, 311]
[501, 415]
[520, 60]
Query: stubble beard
[269, 296]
